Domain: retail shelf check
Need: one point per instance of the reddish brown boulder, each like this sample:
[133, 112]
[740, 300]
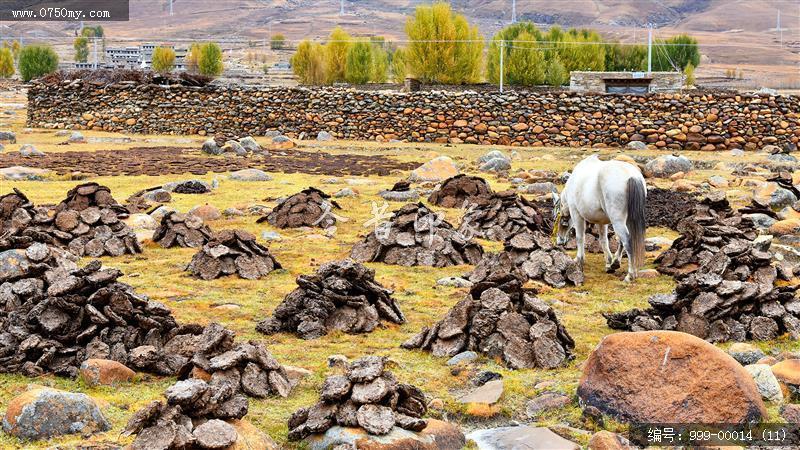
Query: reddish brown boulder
[606, 440]
[668, 377]
[788, 371]
[105, 372]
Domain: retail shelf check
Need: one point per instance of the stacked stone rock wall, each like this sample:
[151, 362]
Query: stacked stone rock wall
[702, 120]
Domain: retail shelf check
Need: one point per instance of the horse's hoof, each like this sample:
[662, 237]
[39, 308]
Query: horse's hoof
[613, 267]
[628, 279]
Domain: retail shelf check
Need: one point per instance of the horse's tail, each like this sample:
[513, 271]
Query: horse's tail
[636, 221]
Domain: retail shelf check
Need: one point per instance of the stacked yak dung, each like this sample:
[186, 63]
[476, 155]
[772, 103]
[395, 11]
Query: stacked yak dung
[182, 230]
[501, 320]
[416, 236]
[725, 283]
[666, 208]
[455, 191]
[502, 215]
[308, 208]
[534, 255]
[231, 252]
[21, 223]
[341, 295]
[89, 222]
[56, 315]
[367, 396]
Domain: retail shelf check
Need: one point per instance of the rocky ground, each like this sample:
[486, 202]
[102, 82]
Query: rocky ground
[474, 391]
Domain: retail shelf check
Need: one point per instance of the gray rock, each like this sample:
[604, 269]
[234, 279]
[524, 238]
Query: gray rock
[158, 196]
[235, 148]
[782, 157]
[249, 144]
[462, 358]
[401, 196]
[8, 136]
[539, 188]
[46, 413]
[340, 438]
[210, 147]
[271, 236]
[324, 136]
[636, 145]
[365, 369]
[745, 354]
[454, 282]
[215, 434]
[489, 393]
[765, 381]
[667, 165]
[186, 392]
[496, 165]
[762, 221]
[345, 193]
[737, 152]
[272, 134]
[76, 138]
[250, 175]
[18, 173]
[14, 264]
[29, 151]
[545, 402]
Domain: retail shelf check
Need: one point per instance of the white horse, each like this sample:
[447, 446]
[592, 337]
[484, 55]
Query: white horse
[603, 192]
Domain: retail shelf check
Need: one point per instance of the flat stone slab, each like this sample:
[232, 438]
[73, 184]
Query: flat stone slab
[489, 393]
[520, 438]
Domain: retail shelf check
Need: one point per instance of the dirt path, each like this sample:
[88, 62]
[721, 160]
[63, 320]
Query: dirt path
[177, 160]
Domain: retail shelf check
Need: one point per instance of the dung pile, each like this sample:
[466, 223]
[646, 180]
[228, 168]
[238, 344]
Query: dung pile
[416, 236]
[341, 295]
[367, 396]
[500, 319]
[16, 212]
[231, 252]
[725, 283]
[533, 255]
[182, 230]
[308, 208]
[89, 223]
[454, 191]
[502, 215]
[56, 315]
[666, 207]
[712, 226]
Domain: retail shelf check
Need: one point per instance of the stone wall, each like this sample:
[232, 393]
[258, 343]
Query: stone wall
[679, 121]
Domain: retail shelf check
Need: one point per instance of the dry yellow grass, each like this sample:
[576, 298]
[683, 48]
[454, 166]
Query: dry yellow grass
[159, 274]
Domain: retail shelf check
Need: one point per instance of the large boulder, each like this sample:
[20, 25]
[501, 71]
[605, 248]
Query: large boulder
[210, 147]
[437, 169]
[770, 193]
[250, 175]
[668, 377]
[437, 435]
[667, 165]
[28, 151]
[42, 413]
[18, 173]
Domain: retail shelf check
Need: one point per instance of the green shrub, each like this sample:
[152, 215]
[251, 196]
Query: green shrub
[36, 61]
[336, 55]
[277, 41]
[358, 66]
[81, 46]
[308, 63]
[444, 48]
[209, 62]
[163, 59]
[555, 74]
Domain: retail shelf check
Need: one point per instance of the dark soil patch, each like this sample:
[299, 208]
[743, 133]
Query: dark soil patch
[176, 160]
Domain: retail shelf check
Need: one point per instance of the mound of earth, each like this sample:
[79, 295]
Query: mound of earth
[501, 320]
[56, 315]
[366, 396]
[534, 257]
[307, 208]
[726, 283]
[231, 252]
[182, 230]
[502, 215]
[416, 236]
[455, 191]
[341, 295]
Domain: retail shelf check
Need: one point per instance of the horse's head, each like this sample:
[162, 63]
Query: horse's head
[562, 225]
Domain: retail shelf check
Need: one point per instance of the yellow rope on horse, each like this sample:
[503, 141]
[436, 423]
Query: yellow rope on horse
[555, 224]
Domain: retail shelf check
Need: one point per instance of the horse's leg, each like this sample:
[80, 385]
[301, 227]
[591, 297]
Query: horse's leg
[610, 267]
[580, 239]
[624, 242]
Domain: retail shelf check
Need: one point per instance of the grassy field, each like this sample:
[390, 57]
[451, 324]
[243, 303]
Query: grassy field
[239, 304]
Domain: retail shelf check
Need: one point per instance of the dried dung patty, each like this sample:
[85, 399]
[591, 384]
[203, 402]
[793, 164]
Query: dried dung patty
[231, 252]
[308, 208]
[454, 191]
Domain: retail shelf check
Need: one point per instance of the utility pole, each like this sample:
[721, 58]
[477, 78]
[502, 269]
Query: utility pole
[94, 41]
[649, 47]
[341, 7]
[502, 50]
[780, 30]
[513, 11]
